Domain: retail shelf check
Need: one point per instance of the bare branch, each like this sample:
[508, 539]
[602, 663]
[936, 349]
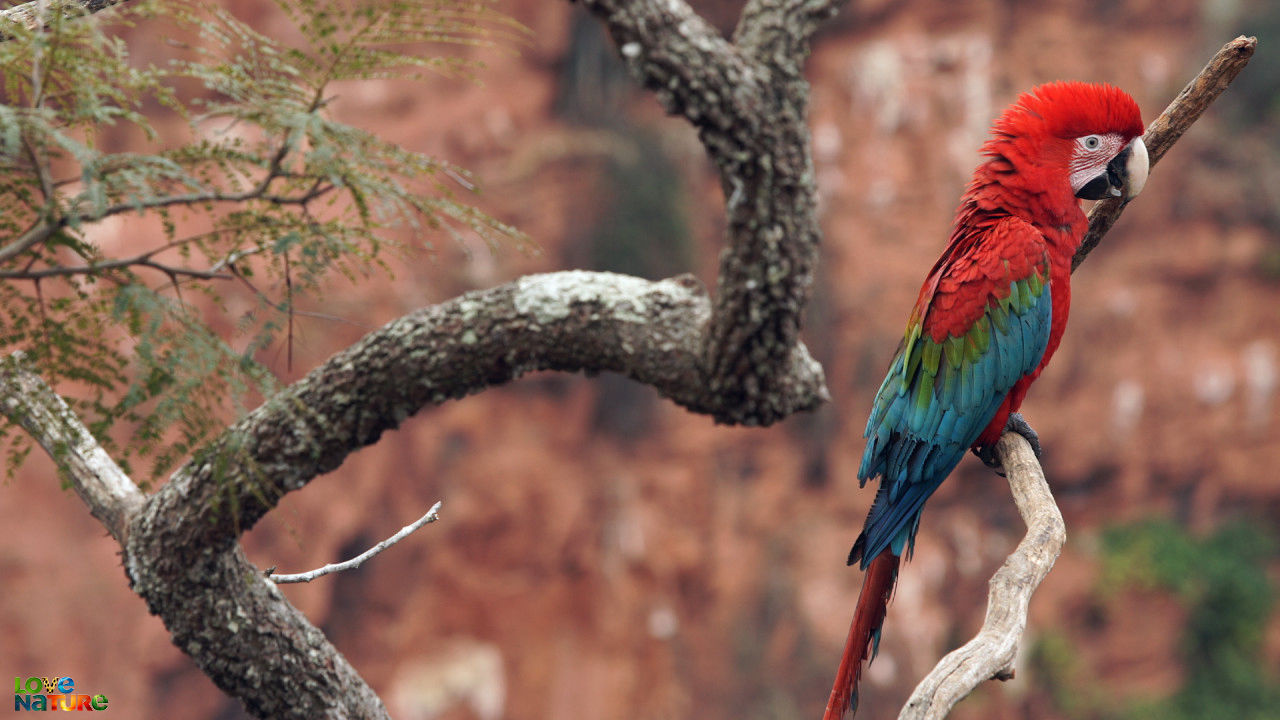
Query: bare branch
[121, 263]
[27, 401]
[671, 50]
[39, 232]
[1165, 130]
[991, 652]
[432, 515]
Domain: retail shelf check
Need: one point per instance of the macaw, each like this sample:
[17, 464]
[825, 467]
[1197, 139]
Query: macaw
[988, 319]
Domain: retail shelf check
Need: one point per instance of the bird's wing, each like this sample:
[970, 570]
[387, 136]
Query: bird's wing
[981, 324]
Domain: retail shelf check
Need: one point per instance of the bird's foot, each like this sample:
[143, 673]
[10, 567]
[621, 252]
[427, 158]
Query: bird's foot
[1017, 424]
[987, 454]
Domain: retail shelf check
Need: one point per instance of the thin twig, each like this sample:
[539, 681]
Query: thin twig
[355, 562]
[118, 264]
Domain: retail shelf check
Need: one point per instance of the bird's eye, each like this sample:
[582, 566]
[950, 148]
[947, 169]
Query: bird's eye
[1091, 142]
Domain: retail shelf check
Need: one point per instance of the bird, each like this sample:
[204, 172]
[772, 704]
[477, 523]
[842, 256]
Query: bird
[988, 318]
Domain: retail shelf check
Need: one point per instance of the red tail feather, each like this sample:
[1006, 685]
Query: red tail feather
[877, 586]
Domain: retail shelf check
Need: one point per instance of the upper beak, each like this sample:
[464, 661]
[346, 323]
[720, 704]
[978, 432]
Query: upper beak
[1126, 174]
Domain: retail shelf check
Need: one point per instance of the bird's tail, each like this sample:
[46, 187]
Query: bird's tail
[864, 634]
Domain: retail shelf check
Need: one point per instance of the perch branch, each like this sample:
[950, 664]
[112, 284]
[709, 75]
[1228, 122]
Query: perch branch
[991, 652]
[432, 515]
[1166, 129]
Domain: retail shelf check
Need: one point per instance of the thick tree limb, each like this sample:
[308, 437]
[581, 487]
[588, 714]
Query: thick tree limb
[1165, 130]
[181, 549]
[991, 652]
[571, 321]
[750, 105]
[250, 640]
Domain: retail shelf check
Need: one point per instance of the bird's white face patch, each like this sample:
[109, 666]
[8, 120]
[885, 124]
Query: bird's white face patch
[1090, 156]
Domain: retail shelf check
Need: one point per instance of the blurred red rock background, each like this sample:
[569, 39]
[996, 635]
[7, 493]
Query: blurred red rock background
[605, 555]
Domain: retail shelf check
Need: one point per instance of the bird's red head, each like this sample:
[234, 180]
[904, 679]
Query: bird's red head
[1086, 134]
[1069, 110]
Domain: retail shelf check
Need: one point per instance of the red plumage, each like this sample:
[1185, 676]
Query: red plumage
[1026, 175]
[863, 639]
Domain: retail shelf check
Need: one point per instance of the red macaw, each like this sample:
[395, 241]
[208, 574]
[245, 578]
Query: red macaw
[989, 316]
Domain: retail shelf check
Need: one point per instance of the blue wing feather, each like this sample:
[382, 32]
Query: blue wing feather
[913, 447]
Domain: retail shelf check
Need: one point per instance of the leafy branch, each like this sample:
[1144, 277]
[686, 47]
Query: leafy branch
[263, 181]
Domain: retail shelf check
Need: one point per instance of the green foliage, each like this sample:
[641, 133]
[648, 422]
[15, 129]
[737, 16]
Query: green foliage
[1223, 580]
[263, 189]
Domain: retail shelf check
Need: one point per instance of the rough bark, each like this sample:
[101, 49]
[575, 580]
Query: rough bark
[570, 321]
[750, 103]
[34, 15]
[739, 361]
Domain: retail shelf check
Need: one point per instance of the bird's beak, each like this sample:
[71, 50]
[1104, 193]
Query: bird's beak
[1126, 175]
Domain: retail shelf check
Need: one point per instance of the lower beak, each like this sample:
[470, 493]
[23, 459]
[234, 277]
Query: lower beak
[1126, 175]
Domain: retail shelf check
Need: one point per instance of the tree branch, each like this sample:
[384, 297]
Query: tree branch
[777, 32]
[1166, 129]
[181, 550]
[432, 515]
[750, 105]
[28, 402]
[991, 652]
[571, 321]
[247, 637]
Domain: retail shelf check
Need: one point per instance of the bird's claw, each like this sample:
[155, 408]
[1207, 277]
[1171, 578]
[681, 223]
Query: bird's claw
[1016, 424]
[987, 454]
